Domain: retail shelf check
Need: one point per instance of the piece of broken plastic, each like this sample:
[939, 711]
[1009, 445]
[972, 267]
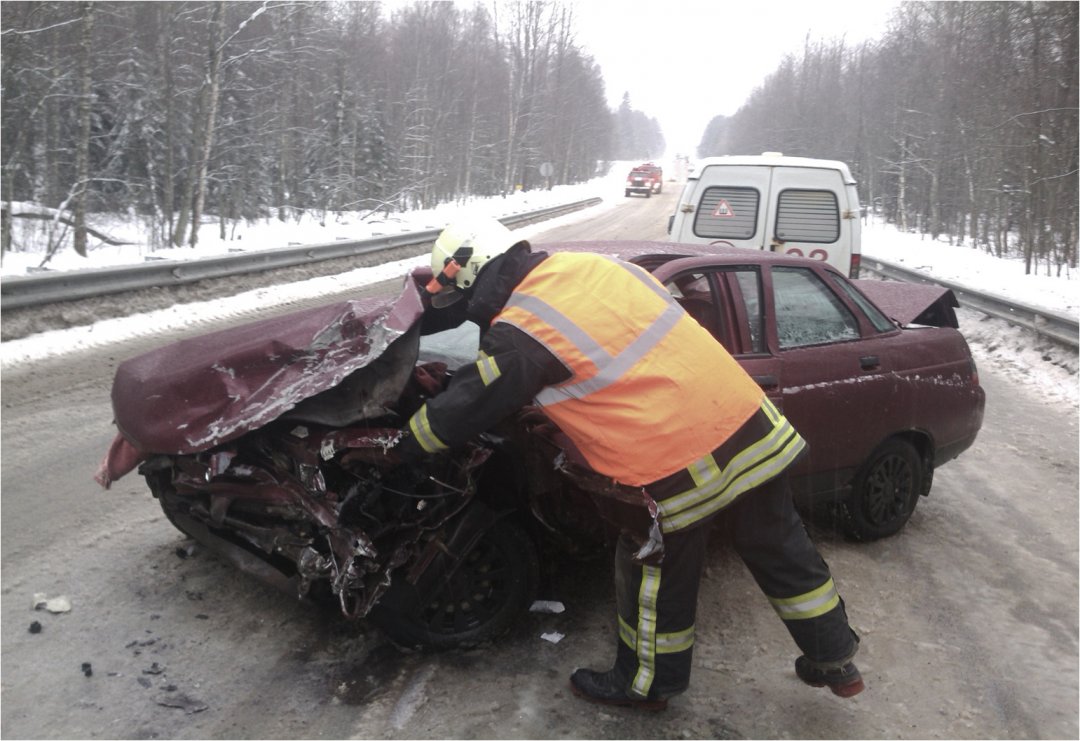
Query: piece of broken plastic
[54, 604]
[553, 637]
[547, 606]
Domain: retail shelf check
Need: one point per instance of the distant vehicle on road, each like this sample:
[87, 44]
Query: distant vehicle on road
[788, 205]
[646, 179]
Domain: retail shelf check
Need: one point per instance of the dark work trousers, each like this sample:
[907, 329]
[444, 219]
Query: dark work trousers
[657, 604]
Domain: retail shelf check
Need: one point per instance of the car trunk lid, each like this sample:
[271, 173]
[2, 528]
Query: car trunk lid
[913, 303]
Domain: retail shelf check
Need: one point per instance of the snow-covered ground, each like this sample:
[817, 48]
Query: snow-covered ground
[1047, 368]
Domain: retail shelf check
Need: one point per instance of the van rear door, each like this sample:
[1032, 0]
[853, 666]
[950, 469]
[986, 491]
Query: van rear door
[806, 215]
[731, 207]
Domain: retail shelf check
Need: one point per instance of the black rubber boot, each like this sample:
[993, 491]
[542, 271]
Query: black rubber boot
[606, 688]
[844, 681]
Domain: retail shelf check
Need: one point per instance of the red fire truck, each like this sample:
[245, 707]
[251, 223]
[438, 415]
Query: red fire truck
[646, 179]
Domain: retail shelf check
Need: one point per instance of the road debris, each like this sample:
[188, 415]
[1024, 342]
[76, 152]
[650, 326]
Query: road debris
[87, 669]
[182, 701]
[35, 627]
[547, 606]
[54, 605]
[186, 551]
[553, 637]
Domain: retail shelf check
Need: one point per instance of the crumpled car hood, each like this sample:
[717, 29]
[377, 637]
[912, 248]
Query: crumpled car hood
[200, 392]
[913, 303]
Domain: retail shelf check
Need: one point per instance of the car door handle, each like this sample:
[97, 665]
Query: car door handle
[766, 381]
[869, 362]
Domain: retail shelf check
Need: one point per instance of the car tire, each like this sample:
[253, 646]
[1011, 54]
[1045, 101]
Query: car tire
[648, 194]
[160, 485]
[884, 492]
[627, 194]
[481, 600]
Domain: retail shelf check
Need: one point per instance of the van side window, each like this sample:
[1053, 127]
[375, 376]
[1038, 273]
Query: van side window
[807, 312]
[727, 213]
[808, 216]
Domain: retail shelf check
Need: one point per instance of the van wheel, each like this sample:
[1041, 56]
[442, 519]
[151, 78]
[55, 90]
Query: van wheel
[627, 194]
[885, 492]
[648, 194]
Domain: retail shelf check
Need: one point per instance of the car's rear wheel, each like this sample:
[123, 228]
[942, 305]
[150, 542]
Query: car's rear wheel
[885, 492]
[488, 590]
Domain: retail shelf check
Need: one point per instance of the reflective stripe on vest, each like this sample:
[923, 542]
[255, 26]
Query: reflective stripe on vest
[650, 389]
[753, 466]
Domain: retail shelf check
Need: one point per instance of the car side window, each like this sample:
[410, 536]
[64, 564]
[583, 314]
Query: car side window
[735, 320]
[880, 321]
[807, 312]
[746, 294]
[694, 293]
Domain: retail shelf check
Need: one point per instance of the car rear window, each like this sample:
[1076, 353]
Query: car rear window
[808, 216]
[727, 212]
[807, 312]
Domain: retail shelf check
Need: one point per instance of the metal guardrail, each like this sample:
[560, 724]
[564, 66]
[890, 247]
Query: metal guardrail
[36, 290]
[1053, 324]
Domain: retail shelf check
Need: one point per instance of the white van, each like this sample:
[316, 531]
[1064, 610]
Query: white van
[793, 205]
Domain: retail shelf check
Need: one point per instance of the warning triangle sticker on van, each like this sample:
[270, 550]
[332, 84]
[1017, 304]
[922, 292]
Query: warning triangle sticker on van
[723, 210]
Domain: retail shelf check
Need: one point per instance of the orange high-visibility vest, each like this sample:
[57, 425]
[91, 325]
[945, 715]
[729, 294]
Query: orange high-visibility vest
[650, 390]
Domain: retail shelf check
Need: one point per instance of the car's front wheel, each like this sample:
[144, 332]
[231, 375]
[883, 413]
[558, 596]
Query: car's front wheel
[488, 589]
[885, 491]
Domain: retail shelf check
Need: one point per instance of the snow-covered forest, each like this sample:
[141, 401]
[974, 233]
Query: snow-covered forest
[961, 121]
[174, 111]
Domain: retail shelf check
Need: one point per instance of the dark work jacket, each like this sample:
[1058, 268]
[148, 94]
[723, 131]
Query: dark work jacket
[471, 405]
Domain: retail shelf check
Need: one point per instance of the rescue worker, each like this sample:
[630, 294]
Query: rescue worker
[652, 400]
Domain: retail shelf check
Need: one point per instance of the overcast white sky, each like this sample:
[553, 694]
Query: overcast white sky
[685, 61]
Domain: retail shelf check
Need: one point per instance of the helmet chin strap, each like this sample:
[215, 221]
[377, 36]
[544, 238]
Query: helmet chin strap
[451, 267]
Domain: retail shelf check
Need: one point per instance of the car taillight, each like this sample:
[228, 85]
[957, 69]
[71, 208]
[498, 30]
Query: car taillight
[856, 263]
[974, 372]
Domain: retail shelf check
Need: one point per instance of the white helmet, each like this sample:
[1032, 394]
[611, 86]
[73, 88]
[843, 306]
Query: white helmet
[461, 251]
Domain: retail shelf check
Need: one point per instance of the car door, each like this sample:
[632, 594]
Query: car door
[835, 367]
[823, 361]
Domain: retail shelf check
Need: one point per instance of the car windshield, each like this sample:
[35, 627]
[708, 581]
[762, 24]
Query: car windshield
[455, 347]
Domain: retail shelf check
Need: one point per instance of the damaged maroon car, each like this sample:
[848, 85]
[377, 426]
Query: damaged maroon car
[268, 442]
